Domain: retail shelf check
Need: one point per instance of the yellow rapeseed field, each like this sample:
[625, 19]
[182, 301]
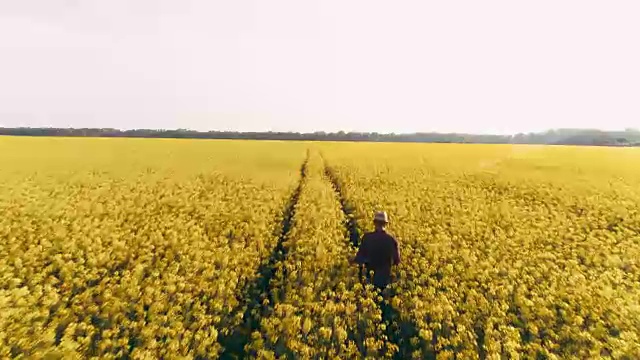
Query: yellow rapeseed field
[127, 247]
[510, 251]
[321, 308]
[198, 249]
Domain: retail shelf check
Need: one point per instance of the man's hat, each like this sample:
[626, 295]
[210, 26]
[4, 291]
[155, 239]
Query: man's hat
[381, 216]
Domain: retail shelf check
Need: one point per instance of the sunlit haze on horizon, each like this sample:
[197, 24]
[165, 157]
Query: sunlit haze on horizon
[401, 66]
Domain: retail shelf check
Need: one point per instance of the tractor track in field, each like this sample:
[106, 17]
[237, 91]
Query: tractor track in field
[258, 294]
[399, 332]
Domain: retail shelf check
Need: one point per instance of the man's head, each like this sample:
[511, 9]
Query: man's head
[380, 220]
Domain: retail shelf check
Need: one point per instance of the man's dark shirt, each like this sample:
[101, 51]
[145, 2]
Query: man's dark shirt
[379, 251]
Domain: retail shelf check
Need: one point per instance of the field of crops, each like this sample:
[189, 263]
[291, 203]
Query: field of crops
[136, 248]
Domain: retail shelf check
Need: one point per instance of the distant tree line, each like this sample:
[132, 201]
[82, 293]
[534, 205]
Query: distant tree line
[628, 137]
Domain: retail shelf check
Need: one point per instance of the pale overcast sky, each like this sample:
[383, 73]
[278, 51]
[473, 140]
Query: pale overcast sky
[389, 66]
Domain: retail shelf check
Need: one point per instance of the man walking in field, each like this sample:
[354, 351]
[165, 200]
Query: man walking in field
[379, 251]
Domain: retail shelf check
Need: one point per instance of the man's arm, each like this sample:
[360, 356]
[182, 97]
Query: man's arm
[396, 252]
[363, 253]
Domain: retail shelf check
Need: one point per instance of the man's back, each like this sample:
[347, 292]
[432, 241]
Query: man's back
[379, 251]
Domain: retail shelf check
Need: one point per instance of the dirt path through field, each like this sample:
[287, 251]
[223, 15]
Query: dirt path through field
[257, 295]
[399, 332]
